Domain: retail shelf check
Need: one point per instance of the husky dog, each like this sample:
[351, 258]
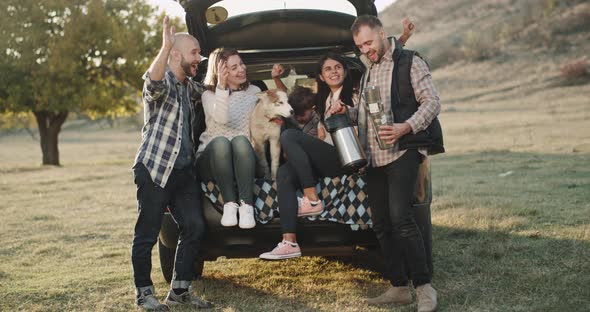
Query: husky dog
[265, 126]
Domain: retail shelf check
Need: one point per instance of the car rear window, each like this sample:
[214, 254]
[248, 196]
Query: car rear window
[238, 7]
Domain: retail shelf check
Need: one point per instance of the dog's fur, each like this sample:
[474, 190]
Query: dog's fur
[265, 126]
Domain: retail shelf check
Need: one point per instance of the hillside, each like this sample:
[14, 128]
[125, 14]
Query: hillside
[497, 64]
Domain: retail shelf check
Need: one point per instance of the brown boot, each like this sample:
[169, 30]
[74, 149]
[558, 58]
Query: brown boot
[397, 295]
[426, 298]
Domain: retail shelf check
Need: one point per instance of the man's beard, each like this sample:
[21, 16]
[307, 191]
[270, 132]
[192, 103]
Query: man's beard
[187, 67]
[380, 51]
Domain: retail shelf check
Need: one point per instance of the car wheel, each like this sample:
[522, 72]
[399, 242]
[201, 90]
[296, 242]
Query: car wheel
[166, 260]
[370, 259]
[167, 263]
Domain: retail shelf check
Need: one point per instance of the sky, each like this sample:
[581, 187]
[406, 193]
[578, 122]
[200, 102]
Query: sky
[174, 9]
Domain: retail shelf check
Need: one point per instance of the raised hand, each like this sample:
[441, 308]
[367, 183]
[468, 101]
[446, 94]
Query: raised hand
[222, 73]
[168, 33]
[408, 27]
[277, 71]
[158, 67]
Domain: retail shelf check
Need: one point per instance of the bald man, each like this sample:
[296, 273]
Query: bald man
[164, 170]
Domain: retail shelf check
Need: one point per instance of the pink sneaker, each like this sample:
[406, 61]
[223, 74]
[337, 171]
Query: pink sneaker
[308, 208]
[284, 250]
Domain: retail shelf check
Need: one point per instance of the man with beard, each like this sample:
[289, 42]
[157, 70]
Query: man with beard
[409, 98]
[164, 169]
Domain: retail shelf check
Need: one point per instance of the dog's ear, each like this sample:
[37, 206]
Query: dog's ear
[261, 95]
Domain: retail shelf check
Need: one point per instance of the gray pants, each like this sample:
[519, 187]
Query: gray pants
[225, 162]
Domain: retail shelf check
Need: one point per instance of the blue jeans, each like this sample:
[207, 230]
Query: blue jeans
[182, 195]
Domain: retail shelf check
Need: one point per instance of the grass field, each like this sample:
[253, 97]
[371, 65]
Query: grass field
[511, 211]
[511, 224]
[517, 241]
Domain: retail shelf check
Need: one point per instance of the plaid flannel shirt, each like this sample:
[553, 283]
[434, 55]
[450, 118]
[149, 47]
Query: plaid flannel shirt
[162, 131]
[425, 93]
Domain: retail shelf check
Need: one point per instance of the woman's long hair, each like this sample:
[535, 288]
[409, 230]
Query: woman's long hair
[215, 58]
[324, 89]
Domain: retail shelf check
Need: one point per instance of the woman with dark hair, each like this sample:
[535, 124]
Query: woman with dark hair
[331, 91]
[225, 153]
[308, 157]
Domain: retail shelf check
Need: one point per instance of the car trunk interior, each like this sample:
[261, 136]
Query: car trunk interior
[295, 38]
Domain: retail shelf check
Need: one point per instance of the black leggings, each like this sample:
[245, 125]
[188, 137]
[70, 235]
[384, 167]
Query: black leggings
[308, 159]
[224, 162]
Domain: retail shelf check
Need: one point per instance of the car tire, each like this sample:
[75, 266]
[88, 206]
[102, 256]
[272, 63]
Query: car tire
[166, 260]
[167, 263]
[369, 259]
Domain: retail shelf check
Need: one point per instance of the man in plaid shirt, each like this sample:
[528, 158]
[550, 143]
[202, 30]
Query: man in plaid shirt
[164, 170]
[392, 173]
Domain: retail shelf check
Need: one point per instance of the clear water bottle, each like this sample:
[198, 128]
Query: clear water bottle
[376, 113]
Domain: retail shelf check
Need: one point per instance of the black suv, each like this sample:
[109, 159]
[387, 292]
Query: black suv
[295, 38]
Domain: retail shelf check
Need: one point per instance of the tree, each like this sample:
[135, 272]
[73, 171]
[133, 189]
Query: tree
[59, 56]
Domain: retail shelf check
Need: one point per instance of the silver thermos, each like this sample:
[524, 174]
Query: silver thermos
[346, 142]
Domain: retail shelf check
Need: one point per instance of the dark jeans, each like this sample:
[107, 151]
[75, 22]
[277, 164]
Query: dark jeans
[224, 162]
[308, 158]
[424, 222]
[391, 189]
[182, 196]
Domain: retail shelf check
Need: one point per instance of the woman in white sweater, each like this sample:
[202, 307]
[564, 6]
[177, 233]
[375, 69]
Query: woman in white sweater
[225, 154]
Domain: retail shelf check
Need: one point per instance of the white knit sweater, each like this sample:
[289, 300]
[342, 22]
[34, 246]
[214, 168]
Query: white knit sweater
[227, 114]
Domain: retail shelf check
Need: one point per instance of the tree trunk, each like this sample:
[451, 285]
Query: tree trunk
[49, 124]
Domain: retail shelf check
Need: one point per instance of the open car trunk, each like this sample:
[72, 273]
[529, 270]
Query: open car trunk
[293, 37]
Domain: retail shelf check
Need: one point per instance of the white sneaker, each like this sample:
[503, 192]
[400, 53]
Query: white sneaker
[246, 216]
[230, 217]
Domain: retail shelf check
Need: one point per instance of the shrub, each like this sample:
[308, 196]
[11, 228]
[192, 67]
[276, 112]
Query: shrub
[478, 46]
[575, 69]
[442, 52]
[577, 19]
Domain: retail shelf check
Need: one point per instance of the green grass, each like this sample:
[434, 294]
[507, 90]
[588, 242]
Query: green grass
[518, 242]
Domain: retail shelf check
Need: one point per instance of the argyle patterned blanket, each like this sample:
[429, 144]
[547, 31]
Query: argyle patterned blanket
[344, 199]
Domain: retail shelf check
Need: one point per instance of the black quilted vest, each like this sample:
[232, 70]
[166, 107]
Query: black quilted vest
[404, 105]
